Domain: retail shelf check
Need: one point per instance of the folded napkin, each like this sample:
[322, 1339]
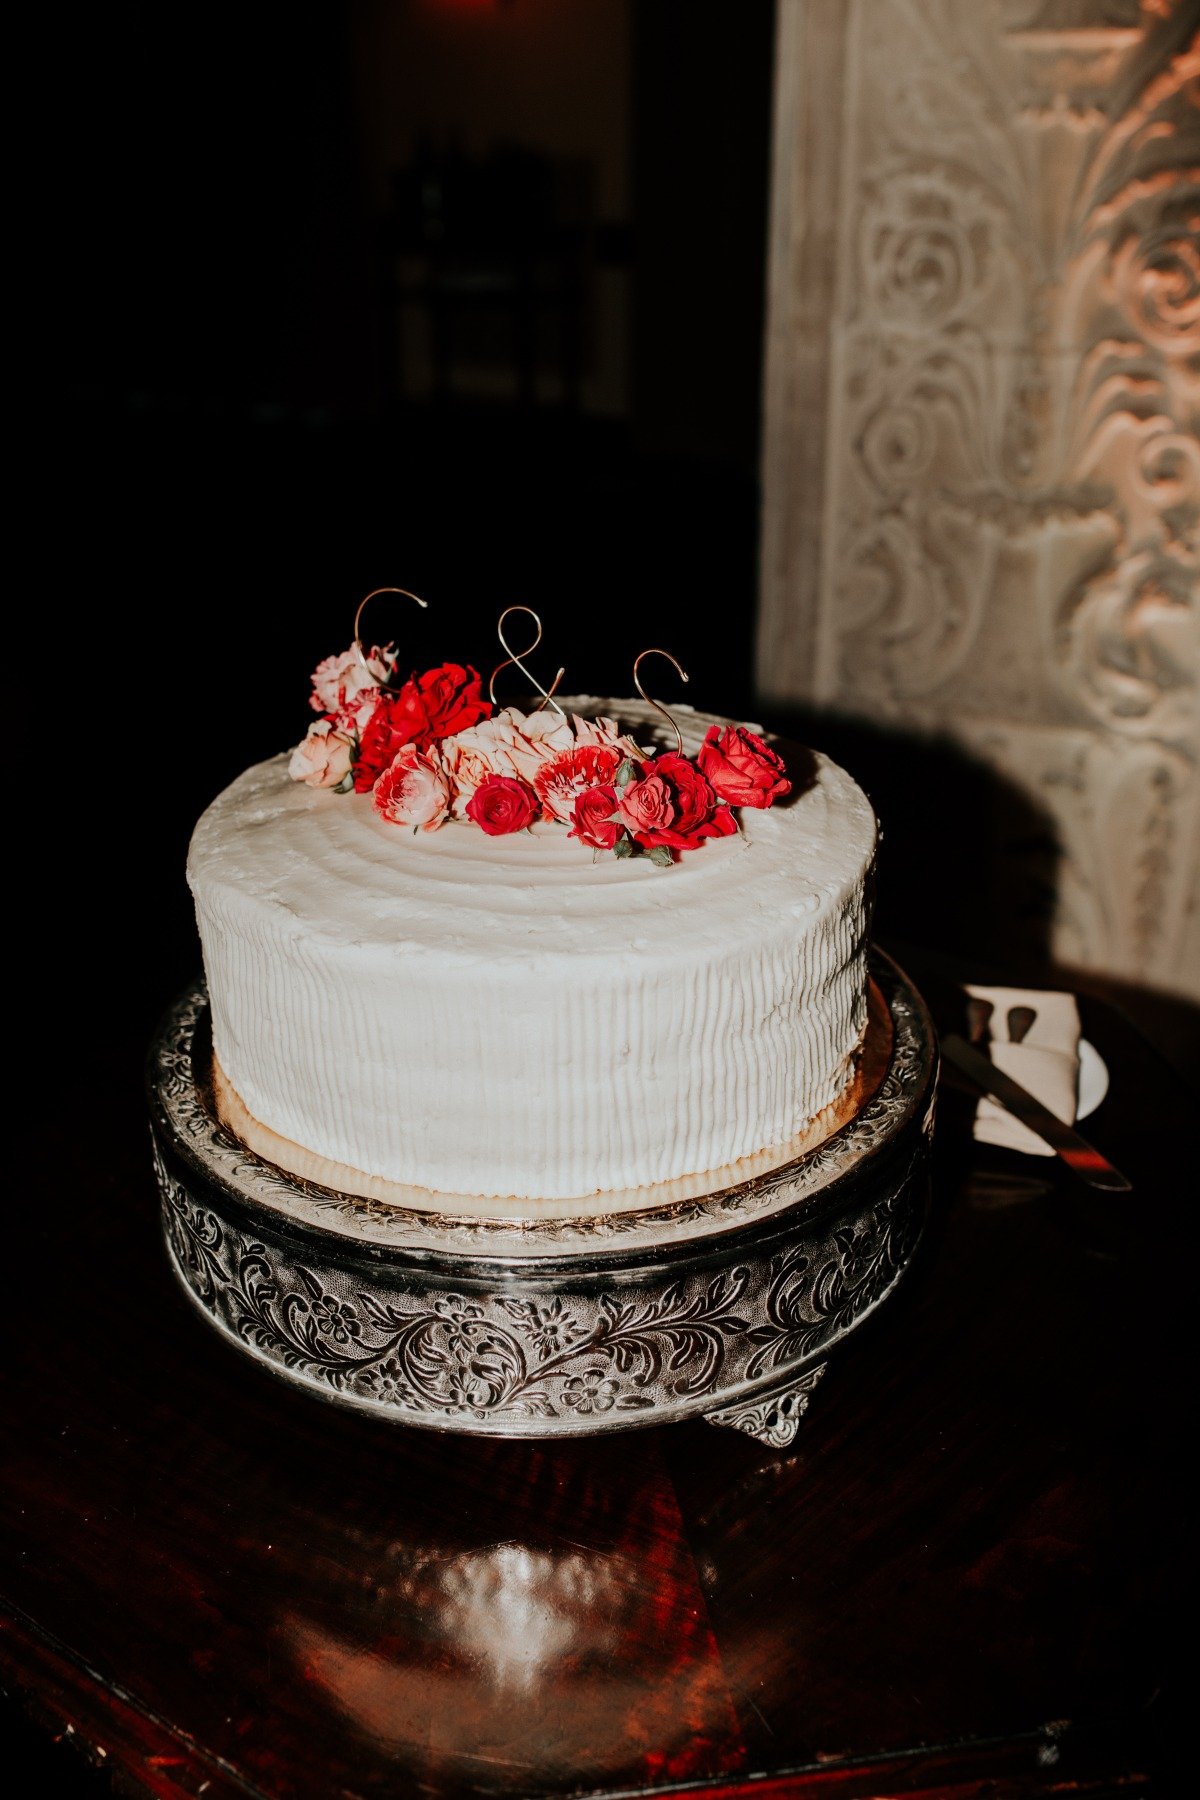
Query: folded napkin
[1033, 1035]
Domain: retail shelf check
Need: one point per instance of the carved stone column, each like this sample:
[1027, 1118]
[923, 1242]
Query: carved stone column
[982, 474]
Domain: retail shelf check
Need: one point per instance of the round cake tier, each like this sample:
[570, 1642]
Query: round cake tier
[507, 1016]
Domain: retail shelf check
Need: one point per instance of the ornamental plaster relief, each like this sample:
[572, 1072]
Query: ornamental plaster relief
[1005, 545]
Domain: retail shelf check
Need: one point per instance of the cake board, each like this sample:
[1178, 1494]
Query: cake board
[724, 1305]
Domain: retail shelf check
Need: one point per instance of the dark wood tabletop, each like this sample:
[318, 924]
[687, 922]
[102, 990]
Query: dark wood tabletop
[961, 1578]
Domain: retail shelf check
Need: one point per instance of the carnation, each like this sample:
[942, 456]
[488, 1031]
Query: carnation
[604, 734]
[345, 687]
[559, 782]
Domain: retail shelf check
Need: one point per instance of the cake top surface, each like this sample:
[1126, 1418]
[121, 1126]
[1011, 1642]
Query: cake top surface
[330, 865]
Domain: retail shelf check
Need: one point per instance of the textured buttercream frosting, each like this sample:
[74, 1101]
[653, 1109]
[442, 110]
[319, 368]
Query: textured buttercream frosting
[506, 1016]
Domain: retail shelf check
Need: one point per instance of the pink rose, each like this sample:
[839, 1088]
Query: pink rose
[645, 805]
[345, 687]
[698, 813]
[592, 819]
[414, 790]
[325, 757]
[743, 770]
[501, 804]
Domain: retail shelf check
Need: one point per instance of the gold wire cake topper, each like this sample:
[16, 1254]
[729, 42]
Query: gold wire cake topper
[650, 700]
[514, 659]
[380, 681]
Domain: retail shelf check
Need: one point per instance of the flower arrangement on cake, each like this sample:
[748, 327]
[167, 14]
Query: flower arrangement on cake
[434, 749]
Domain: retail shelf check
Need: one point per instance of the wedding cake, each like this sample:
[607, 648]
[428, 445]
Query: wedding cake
[459, 954]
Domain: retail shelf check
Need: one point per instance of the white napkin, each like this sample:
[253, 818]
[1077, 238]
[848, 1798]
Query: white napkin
[1041, 1052]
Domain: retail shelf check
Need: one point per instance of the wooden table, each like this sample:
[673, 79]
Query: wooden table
[958, 1581]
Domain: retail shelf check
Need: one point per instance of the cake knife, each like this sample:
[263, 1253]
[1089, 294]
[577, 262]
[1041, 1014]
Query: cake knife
[1082, 1158]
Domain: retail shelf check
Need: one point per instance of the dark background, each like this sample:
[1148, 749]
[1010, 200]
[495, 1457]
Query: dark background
[237, 460]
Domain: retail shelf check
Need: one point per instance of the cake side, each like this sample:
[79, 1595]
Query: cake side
[869, 1067]
[502, 1015]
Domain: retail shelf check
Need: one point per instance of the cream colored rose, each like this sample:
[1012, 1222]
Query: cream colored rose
[546, 731]
[325, 757]
[467, 765]
[531, 739]
[415, 790]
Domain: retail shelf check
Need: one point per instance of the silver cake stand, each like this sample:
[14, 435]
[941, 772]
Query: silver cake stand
[724, 1306]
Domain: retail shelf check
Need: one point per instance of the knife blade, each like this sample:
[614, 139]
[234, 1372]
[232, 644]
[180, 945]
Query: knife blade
[1082, 1158]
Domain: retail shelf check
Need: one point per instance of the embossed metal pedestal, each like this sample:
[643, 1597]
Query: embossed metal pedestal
[726, 1306]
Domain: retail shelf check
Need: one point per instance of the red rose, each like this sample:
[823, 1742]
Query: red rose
[378, 745]
[428, 708]
[645, 804]
[501, 804]
[592, 819]
[743, 770]
[442, 701]
[698, 812]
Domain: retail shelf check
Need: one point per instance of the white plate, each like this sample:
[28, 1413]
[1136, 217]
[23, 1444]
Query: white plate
[1093, 1079]
[997, 1126]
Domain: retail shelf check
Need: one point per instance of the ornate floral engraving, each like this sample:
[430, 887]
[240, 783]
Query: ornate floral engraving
[540, 1354]
[1010, 541]
[775, 1418]
[808, 1306]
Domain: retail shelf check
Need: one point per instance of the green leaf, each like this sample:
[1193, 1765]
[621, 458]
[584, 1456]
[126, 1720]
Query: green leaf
[661, 856]
[346, 783]
[626, 772]
[623, 846]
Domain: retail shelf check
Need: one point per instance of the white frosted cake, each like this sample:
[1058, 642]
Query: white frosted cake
[463, 1014]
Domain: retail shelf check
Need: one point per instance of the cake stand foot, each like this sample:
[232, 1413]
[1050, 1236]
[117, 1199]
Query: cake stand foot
[773, 1418]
